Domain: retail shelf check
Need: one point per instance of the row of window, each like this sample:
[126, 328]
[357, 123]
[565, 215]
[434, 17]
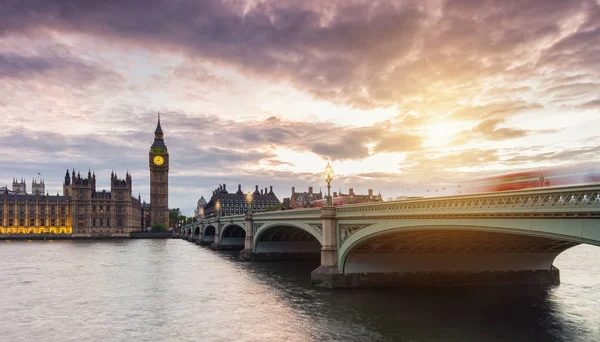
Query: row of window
[31, 223]
[100, 222]
[244, 204]
[31, 216]
[20, 208]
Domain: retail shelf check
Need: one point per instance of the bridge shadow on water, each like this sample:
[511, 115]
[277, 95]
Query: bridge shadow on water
[490, 313]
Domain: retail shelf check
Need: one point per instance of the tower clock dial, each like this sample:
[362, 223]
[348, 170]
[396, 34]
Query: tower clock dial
[158, 160]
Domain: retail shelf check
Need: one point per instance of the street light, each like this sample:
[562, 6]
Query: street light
[249, 201]
[328, 177]
[201, 212]
[218, 207]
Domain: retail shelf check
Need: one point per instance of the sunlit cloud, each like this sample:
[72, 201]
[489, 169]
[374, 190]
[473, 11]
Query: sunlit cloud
[395, 95]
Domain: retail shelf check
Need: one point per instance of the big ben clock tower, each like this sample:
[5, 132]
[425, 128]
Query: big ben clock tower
[159, 179]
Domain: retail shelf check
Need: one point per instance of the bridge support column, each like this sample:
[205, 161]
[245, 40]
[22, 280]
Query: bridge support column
[200, 233]
[247, 253]
[216, 245]
[324, 274]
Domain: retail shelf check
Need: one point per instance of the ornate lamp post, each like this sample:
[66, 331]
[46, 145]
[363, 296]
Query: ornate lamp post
[328, 177]
[201, 212]
[218, 207]
[249, 198]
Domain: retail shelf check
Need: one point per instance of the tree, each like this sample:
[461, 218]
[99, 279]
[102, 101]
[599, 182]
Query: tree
[173, 215]
[157, 227]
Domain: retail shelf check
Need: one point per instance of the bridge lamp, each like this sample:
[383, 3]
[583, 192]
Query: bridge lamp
[201, 212]
[249, 197]
[328, 177]
[218, 207]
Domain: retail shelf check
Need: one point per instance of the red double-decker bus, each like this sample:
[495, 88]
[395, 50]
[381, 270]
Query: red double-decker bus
[533, 179]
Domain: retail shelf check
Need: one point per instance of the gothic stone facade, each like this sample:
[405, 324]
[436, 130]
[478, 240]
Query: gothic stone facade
[34, 214]
[81, 210]
[99, 213]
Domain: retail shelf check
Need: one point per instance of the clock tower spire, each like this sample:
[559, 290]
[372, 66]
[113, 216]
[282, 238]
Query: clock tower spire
[159, 179]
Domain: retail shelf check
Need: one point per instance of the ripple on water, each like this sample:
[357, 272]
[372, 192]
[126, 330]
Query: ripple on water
[151, 290]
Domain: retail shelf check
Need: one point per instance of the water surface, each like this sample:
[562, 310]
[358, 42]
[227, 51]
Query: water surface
[172, 290]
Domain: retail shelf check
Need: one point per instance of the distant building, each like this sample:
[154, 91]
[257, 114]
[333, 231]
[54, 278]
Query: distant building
[339, 198]
[313, 199]
[235, 203]
[200, 207]
[19, 187]
[302, 199]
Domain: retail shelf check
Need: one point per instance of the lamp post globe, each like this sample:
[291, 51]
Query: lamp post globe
[328, 177]
[249, 198]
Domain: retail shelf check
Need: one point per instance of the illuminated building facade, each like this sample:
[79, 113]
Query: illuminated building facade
[80, 211]
[34, 214]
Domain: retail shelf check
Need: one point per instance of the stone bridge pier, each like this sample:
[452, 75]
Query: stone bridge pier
[325, 274]
[216, 244]
[200, 233]
[247, 253]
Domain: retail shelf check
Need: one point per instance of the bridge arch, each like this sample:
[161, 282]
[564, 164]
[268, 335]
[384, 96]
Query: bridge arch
[405, 246]
[232, 236]
[209, 230]
[288, 238]
[197, 231]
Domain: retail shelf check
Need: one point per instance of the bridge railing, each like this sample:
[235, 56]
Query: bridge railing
[304, 213]
[563, 200]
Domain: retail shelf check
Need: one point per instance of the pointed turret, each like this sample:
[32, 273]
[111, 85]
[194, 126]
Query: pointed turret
[158, 128]
[159, 142]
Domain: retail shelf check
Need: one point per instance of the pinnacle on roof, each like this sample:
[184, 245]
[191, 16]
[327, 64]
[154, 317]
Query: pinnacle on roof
[158, 128]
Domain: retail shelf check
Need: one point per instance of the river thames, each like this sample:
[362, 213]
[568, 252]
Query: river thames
[172, 290]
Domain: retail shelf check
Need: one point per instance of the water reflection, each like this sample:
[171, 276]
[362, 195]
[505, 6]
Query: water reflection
[174, 290]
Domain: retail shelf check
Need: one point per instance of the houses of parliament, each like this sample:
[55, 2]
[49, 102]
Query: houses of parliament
[84, 211]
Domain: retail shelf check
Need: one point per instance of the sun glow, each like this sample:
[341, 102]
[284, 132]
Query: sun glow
[288, 160]
[441, 134]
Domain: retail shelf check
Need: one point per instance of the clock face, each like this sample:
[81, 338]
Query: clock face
[158, 160]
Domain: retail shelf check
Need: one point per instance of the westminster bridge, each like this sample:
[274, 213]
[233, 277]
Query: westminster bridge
[491, 238]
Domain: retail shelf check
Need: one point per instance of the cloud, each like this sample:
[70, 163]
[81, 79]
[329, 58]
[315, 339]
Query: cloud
[594, 104]
[490, 130]
[359, 53]
[55, 64]
[96, 70]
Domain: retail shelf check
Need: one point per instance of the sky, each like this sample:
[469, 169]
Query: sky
[399, 96]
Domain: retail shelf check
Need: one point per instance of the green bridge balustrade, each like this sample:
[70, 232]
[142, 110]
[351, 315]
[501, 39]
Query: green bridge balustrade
[491, 238]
